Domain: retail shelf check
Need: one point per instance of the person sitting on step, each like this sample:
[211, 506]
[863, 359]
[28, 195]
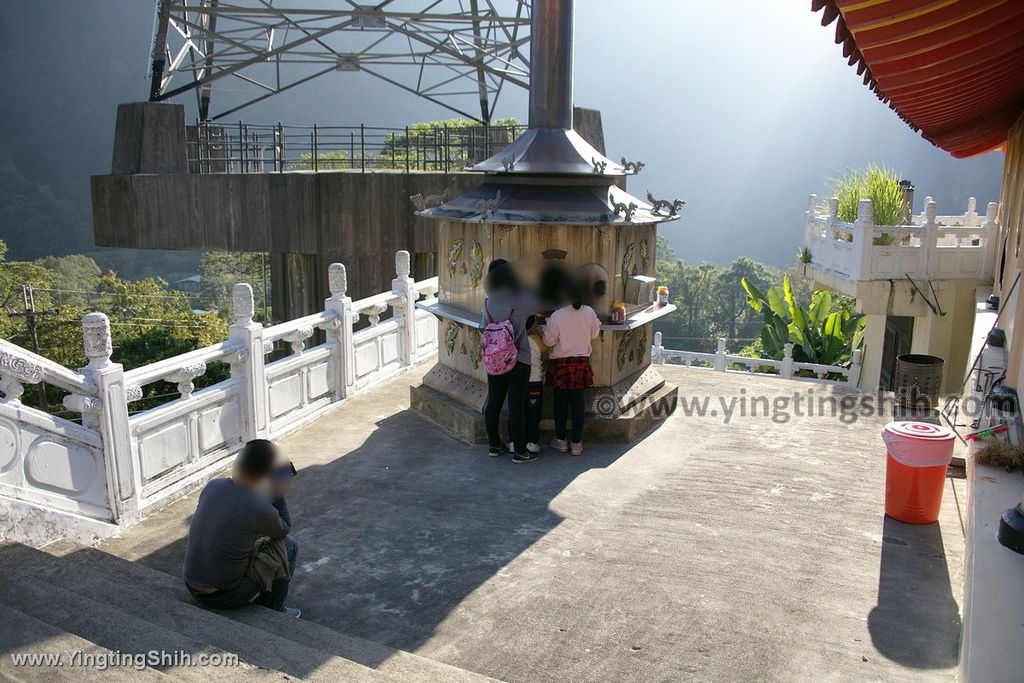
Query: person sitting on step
[238, 542]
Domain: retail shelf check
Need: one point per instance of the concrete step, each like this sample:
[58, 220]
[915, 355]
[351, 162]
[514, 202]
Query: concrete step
[104, 625]
[182, 623]
[24, 634]
[397, 665]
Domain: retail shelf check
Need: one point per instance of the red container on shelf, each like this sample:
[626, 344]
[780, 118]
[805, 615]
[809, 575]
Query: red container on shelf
[917, 455]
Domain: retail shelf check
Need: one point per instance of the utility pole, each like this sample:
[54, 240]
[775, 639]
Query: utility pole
[28, 297]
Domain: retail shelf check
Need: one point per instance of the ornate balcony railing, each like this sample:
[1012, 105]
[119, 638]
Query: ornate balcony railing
[85, 480]
[931, 246]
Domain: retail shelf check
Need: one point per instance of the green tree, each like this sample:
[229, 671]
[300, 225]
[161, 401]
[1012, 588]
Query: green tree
[150, 321]
[425, 144]
[78, 277]
[734, 319]
[14, 277]
[692, 326]
[220, 271]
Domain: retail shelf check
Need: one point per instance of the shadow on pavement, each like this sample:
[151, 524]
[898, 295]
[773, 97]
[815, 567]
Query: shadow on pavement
[916, 621]
[397, 532]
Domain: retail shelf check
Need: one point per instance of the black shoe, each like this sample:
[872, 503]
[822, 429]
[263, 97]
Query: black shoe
[525, 457]
[495, 451]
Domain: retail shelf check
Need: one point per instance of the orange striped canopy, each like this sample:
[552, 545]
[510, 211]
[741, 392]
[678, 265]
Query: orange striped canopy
[952, 69]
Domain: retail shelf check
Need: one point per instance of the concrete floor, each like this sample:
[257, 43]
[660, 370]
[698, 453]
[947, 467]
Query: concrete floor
[747, 549]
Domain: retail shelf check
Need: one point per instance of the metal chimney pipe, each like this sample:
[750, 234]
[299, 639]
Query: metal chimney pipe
[551, 34]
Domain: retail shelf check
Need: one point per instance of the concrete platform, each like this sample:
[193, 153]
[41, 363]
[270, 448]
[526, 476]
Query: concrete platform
[717, 548]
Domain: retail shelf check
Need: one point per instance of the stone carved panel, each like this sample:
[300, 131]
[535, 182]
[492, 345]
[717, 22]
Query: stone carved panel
[9, 446]
[220, 425]
[20, 368]
[367, 359]
[285, 395]
[318, 382]
[164, 449]
[60, 466]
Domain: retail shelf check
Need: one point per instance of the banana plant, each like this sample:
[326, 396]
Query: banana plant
[818, 334]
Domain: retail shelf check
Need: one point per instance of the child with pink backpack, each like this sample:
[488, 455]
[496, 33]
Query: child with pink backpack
[506, 357]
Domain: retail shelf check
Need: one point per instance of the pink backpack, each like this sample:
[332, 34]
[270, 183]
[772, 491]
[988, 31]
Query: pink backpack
[499, 345]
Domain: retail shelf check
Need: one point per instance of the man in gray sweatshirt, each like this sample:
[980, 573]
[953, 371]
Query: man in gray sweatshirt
[232, 514]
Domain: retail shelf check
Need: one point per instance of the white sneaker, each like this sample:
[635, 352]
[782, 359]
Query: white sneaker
[533, 447]
[293, 612]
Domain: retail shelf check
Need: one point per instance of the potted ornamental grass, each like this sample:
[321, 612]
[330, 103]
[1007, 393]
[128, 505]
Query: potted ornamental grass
[882, 186]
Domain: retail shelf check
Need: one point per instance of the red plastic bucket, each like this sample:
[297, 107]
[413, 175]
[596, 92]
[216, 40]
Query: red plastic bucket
[917, 455]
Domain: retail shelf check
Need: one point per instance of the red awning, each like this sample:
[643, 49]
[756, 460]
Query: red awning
[952, 69]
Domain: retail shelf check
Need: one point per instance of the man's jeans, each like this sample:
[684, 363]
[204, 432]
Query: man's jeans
[248, 591]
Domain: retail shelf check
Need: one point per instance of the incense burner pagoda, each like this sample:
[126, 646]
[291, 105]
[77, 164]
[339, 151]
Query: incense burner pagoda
[551, 199]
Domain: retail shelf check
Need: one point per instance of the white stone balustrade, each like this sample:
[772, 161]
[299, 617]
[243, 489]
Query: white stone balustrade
[787, 368]
[58, 477]
[931, 246]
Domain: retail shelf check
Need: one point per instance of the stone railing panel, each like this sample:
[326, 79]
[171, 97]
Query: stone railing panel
[47, 460]
[299, 386]
[52, 462]
[180, 439]
[930, 246]
[786, 368]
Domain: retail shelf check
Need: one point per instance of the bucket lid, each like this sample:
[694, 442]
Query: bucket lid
[919, 444]
[920, 430]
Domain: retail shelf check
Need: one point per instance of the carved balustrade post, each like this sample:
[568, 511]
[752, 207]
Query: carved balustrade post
[248, 363]
[830, 233]
[853, 379]
[863, 236]
[930, 242]
[405, 310]
[108, 414]
[658, 352]
[340, 334]
[719, 363]
[786, 371]
[990, 235]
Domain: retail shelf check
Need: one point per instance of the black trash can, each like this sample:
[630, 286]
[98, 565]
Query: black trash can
[918, 380]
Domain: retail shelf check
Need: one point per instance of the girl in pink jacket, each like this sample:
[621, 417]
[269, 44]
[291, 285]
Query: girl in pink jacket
[569, 332]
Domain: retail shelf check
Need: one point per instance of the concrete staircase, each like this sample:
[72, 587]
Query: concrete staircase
[68, 598]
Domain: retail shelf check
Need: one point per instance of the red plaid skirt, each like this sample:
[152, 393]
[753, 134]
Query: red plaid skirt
[573, 372]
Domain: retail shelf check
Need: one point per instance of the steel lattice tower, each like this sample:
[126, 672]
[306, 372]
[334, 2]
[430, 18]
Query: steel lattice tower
[451, 52]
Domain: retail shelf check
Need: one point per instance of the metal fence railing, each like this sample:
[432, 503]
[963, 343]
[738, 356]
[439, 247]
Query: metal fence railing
[277, 148]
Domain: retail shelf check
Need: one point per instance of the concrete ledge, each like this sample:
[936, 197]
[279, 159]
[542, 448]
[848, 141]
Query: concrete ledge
[35, 526]
[456, 418]
[993, 602]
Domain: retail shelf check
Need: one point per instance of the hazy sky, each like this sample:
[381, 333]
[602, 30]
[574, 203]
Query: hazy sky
[743, 109]
[740, 108]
